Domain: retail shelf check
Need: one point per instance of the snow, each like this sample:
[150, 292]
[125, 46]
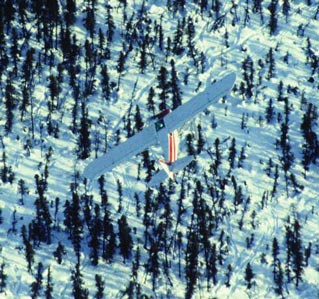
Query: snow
[258, 139]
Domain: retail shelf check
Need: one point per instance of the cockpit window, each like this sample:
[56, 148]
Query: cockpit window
[159, 125]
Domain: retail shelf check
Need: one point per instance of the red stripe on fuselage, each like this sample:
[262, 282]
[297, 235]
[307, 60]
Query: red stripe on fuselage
[172, 148]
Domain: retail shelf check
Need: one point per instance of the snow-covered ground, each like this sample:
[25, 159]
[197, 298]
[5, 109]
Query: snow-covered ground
[243, 229]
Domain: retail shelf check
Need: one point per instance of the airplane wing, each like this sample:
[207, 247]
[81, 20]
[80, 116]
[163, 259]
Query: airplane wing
[178, 117]
[121, 152]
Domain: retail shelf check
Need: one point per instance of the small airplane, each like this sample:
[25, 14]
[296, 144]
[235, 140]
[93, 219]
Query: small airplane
[163, 131]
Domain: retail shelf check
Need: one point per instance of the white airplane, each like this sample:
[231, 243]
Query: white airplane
[163, 131]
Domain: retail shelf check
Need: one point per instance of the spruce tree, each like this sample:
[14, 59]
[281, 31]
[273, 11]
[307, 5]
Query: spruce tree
[273, 20]
[78, 289]
[23, 190]
[286, 9]
[297, 251]
[248, 75]
[84, 141]
[125, 238]
[59, 252]
[95, 232]
[29, 251]
[153, 263]
[279, 278]
[163, 85]
[36, 286]
[150, 100]
[49, 286]
[308, 127]
[10, 103]
[174, 84]
[249, 275]
[139, 124]
[3, 278]
[178, 47]
[110, 24]
[99, 283]
[108, 237]
[270, 111]
[213, 270]
[228, 275]
[201, 140]
[272, 64]
[232, 154]
[191, 260]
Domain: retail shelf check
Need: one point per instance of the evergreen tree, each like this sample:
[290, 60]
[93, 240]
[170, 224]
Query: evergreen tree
[49, 286]
[272, 64]
[228, 275]
[95, 236]
[273, 20]
[89, 20]
[125, 238]
[106, 86]
[3, 278]
[54, 93]
[110, 24]
[134, 288]
[307, 254]
[121, 63]
[178, 47]
[308, 127]
[213, 265]
[99, 283]
[275, 250]
[279, 278]
[23, 190]
[190, 144]
[176, 99]
[10, 103]
[36, 286]
[249, 275]
[201, 140]
[232, 154]
[270, 111]
[289, 242]
[297, 251]
[286, 9]
[76, 224]
[84, 142]
[139, 124]
[78, 290]
[248, 74]
[153, 264]
[41, 225]
[143, 55]
[59, 252]
[109, 237]
[29, 251]
[163, 85]
[150, 100]
[218, 157]
[191, 267]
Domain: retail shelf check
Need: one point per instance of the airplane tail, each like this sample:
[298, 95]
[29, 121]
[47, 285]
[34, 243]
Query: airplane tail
[169, 170]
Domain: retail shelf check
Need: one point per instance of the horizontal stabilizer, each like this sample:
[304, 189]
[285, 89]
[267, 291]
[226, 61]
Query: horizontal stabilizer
[163, 174]
[181, 163]
[157, 179]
